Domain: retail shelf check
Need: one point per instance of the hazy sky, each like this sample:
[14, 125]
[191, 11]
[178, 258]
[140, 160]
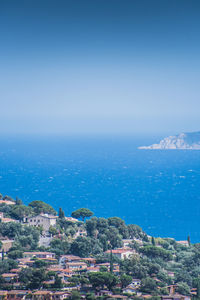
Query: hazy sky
[99, 66]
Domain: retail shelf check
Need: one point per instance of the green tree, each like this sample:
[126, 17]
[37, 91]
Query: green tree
[188, 239]
[53, 230]
[103, 269]
[61, 213]
[91, 226]
[42, 207]
[90, 296]
[15, 254]
[113, 237]
[119, 224]
[18, 201]
[7, 265]
[153, 251]
[19, 212]
[58, 282]
[82, 246]
[59, 246]
[39, 263]
[8, 198]
[183, 288]
[153, 241]
[32, 278]
[99, 279]
[148, 285]
[82, 213]
[75, 295]
[125, 280]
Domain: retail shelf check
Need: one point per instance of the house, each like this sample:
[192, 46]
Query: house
[14, 295]
[122, 253]
[76, 265]
[90, 261]
[193, 291]
[6, 220]
[81, 232]
[60, 270]
[129, 289]
[25, 262]
[3, 295]
[172, 289]
[118, 297]
[7, 202]
[43, 220]
[126, 242]
[136, 282]
[10, 277]
[171, 274]
[68, 258]
[70, 219]
[183, 243]
[41, 255]
[6, 244]
[132, 288]
[93, 269]
[176, 297]
[17, 295]
[60, 295]
[42, 295]
[103, 293]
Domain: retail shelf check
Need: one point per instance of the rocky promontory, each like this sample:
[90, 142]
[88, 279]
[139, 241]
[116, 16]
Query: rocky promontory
[183, 141]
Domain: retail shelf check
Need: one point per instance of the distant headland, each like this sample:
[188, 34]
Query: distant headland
[182, 141]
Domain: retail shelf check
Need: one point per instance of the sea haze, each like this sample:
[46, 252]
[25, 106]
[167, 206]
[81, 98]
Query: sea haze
[156, 189]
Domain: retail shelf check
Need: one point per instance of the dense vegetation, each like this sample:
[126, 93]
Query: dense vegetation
[157, 262]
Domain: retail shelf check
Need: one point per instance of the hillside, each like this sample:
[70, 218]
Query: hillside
[84, 257]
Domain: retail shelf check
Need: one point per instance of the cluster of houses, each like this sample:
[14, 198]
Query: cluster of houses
[66, 266]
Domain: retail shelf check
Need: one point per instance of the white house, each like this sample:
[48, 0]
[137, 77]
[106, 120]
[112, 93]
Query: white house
[122, 253]
[43, 220]
[39, 254]
[64, 259]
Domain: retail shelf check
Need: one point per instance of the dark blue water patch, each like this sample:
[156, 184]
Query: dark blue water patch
[158, 190]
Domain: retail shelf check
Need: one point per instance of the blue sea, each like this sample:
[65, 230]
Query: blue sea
[158, 190]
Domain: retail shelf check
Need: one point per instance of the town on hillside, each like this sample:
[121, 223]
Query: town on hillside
[47, 255]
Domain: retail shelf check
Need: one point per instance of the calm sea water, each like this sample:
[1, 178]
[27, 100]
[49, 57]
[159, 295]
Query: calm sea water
[158, 190]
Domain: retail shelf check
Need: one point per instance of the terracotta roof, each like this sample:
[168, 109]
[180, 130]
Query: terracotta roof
[72, 257]
[60, 270]
[43, 293]
[7, 202]
[17, 292]
[39, 252]
[116, 251]
[7, 220]
[9, 275]
[89, 259]
[76, 263]
[3, 293]
[15, 270]
[61, 293]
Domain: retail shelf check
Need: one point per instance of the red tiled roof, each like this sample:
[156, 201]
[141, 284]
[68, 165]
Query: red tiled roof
[118, 251]
[39, 252]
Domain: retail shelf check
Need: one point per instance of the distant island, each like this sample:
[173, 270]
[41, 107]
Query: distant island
[182, 141]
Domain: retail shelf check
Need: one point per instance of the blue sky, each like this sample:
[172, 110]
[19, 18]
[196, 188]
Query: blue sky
[99, 66]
